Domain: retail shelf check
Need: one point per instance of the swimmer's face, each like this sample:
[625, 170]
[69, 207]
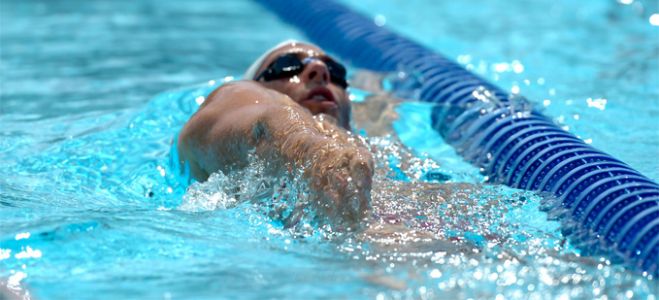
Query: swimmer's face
[313, 88]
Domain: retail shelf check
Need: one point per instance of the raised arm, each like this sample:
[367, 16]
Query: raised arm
[241, 116]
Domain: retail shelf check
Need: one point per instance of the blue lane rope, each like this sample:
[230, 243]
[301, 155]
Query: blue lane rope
[615, 207]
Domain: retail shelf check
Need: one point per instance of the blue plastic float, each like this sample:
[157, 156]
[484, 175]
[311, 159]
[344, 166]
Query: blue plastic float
[614, 207]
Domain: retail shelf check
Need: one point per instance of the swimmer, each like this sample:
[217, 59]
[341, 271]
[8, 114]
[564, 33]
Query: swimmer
[292, 110]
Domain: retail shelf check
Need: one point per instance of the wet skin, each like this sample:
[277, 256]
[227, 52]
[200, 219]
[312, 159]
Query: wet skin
[293, 123]
[311, 89]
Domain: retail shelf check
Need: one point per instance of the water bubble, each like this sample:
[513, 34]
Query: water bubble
[380, 20]
[654, 19]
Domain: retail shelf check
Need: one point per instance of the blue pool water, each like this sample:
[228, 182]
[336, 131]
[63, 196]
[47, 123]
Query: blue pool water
[91, 95]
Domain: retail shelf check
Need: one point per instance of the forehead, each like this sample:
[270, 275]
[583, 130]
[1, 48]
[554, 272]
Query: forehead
[310, 50]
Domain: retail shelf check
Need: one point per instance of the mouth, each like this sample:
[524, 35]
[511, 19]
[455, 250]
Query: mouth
[320, 94]
[320, 100]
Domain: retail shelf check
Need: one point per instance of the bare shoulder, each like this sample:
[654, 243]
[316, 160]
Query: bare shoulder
[240, 93]
[226, 114]
[231, 107]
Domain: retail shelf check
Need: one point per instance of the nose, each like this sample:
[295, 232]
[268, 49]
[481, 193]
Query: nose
[316, 72]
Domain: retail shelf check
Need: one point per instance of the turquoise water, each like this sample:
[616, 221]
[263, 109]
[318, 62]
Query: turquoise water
[591, 65]
[92, 94]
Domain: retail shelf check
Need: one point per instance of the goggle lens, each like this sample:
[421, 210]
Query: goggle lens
[289, 65]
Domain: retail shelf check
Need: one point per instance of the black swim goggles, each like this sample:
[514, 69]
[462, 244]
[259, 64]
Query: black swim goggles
[290, 64]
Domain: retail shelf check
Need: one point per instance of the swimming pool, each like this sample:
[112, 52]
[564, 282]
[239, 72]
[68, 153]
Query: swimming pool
[89, 202]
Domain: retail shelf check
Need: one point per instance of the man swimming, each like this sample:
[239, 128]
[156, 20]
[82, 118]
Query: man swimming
[293, 111]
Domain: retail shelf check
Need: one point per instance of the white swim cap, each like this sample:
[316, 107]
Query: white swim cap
[251, 71]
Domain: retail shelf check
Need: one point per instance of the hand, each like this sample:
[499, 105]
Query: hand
[343, 178]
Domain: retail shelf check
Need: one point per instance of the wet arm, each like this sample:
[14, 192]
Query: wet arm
[243, 116]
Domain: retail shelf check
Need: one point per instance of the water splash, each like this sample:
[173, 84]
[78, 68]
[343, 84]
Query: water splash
[426, 238]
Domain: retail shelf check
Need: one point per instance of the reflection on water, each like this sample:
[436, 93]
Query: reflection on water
[431, 238]
[105, 208]
[89, 207]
